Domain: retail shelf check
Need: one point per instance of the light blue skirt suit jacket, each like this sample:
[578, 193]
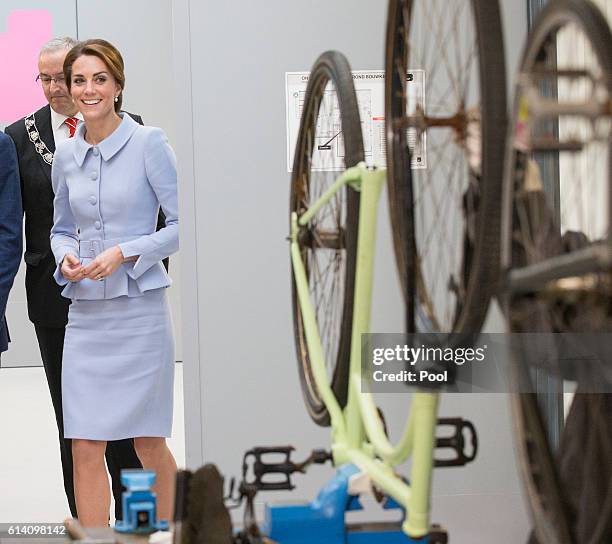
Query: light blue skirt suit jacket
[117, 372]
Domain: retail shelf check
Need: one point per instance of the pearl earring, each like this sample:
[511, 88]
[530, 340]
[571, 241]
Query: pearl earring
[116, 99]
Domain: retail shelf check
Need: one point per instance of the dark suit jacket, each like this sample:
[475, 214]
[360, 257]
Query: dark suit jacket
[10, 228]
[33, 137]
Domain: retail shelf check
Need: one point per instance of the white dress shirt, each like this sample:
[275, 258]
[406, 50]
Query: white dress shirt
[61, 131]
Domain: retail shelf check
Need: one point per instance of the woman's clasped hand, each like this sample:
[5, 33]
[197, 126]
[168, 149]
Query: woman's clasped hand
[101, 267]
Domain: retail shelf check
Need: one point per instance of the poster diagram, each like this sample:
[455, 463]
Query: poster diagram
[370, 89]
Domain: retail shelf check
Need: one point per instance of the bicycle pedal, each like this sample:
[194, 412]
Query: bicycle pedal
[457, 442]
[263, 472]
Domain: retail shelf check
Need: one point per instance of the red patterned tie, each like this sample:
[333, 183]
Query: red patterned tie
[71, 122]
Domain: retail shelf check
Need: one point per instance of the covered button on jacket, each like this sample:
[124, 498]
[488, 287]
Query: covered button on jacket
[108, 195]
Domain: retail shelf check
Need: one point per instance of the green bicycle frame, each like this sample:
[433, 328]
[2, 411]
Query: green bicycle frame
[358, 434]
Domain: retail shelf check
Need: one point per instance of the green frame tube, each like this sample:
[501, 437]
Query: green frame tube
[351, 175]
[357, 432]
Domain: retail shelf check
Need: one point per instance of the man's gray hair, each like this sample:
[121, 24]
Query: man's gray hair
[56, 44]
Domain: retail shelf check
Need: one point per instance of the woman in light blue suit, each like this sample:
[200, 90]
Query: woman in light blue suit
[118, 362]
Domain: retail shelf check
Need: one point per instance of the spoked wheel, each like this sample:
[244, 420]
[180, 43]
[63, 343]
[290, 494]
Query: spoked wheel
[539, 472]
[445, 151]
[329, 142]
[556, 244]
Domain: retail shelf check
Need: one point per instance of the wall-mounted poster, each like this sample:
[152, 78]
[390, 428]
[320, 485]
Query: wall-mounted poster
[370, 89]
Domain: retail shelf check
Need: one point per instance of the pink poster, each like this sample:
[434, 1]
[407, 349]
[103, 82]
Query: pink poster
[26, 32]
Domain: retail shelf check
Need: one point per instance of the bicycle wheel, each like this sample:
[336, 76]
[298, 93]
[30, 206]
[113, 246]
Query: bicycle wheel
[445, 111]
[329, 142]
[556, 219]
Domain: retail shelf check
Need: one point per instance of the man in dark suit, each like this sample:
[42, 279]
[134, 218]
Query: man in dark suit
[10, 228]
[35, 137]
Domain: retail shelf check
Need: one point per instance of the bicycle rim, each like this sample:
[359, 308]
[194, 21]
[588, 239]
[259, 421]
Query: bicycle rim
[329, 142]
[556, 203]
[445, 157]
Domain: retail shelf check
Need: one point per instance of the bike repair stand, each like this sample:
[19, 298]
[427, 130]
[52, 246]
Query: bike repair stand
[324, 520]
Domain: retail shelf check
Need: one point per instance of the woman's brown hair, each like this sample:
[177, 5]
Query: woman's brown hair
[105, 51]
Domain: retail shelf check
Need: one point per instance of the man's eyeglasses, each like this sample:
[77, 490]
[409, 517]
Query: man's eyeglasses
[46, 80]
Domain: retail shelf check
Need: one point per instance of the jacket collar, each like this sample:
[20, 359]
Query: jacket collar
[108, 147]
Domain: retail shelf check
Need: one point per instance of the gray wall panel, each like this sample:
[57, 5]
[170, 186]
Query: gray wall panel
[250, 392]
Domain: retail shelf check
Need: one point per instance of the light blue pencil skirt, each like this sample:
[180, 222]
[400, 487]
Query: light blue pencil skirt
[118, 368]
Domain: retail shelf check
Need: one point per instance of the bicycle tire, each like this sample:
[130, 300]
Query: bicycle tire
[531, 234]
[473, 277]
[534, 452]
[331, 68]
